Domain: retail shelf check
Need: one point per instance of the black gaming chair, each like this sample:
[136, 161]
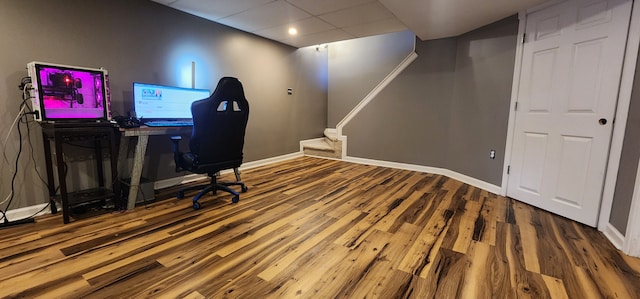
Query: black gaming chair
[217, 138]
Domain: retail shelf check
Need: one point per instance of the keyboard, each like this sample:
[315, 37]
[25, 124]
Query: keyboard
[169, 123]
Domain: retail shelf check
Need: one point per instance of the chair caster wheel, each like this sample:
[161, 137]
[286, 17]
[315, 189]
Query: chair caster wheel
[180, 195]
[244, 189]
[235, 199]
[196, 205]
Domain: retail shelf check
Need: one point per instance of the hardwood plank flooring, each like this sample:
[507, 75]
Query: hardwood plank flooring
[316, 228]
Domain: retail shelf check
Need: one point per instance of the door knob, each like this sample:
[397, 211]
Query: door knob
[603, 121]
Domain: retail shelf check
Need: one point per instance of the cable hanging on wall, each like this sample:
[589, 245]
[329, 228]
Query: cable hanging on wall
[25, 84]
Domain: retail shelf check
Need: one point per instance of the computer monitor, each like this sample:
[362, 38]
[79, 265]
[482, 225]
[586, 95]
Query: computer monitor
[159, 102]
[69, 93]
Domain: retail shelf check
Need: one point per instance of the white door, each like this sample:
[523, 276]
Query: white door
[571, 66]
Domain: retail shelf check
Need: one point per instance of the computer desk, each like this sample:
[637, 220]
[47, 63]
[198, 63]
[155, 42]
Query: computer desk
[142, 133]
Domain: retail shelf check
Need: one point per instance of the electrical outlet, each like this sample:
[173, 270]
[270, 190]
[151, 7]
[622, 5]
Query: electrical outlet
[492, 154]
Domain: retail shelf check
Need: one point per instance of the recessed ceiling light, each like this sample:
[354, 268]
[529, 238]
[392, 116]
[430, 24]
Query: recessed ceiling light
[293, 31]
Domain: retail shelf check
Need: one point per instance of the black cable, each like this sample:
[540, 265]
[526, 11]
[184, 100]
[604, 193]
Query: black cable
[15, 173]
[23, 86]
[33, 158]
[25, 97]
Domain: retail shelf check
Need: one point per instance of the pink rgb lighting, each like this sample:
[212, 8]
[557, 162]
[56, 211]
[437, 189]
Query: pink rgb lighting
[71, 94]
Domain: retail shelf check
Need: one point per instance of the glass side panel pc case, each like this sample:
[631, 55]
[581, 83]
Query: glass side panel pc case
[63, 93]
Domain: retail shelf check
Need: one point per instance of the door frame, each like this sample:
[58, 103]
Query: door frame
[619, 126]
[631, 243]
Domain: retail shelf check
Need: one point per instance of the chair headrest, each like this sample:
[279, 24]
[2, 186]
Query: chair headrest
[228, 88]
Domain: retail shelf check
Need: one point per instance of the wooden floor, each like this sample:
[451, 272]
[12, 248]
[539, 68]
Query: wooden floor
[314, 228]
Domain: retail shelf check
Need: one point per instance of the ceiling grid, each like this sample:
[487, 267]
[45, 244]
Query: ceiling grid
[319, 22]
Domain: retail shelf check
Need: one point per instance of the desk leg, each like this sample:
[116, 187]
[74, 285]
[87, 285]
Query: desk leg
[98, 153]
[113, 158]
[62, 180]
[123, 168]
[138, 161]
[51, 183]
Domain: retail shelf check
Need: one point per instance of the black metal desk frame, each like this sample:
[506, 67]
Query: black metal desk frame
[61, 133]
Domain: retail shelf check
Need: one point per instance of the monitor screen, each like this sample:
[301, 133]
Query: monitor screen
[69, 93]
[165, 102]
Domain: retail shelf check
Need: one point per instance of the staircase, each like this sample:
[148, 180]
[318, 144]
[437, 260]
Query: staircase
[329, 146]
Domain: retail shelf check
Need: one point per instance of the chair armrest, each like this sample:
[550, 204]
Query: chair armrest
[176, 143]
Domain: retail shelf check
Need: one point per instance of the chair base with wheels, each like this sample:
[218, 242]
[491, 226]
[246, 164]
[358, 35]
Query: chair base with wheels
[185, 161]
[213, 187]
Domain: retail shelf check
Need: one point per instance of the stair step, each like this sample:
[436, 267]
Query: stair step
[321, 145]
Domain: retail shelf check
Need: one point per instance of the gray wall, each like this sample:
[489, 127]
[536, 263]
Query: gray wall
[408, 121]
[448, 108]
[481, 99]
[357, 66]
[139, 40]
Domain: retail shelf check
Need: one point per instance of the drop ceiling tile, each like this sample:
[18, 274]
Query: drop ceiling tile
[305, 27]
[361, 14]
[317, 7]
[215, 9]
[318, 38]
[446, 18]
[428, 19]
[375, 28]
[265, 16]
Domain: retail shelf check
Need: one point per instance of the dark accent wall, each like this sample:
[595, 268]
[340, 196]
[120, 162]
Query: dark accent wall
[139, 40]
[448, 109]
[623, 194]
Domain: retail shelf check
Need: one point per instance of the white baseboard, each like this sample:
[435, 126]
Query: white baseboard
[322, 157]
[166, 183]
[435, 170]
[614, 236]
[29, 211]
[26, 212]
[263, 162]
[20, 213]
[161, 184]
